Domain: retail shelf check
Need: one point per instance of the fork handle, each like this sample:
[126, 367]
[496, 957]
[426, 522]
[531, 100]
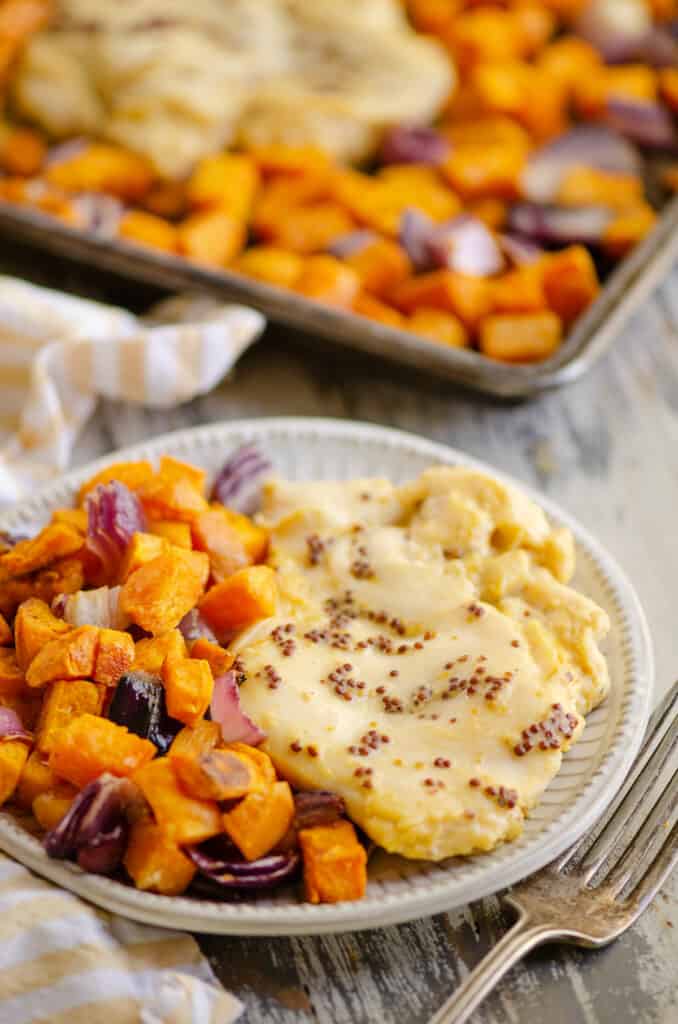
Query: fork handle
[518, 941]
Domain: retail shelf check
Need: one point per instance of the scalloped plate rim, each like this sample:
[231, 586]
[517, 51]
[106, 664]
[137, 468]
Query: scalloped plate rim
[513, 862]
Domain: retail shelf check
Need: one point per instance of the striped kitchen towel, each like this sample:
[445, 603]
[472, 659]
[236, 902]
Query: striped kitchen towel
[64, 962]
[59, 354]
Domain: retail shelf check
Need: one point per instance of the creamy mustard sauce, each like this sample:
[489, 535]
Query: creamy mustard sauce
[429, 661]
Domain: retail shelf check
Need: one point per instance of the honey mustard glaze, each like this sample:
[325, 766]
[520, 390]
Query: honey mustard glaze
[429, 661]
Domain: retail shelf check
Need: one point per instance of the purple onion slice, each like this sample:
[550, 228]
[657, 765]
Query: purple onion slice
[559, 225]
[139, 704]
[414, 144]
[520, 251]
[114, 515]
[648, 124]
[238, 483]
[317, 808]
[265, 873]
[348, 245]
[98, 607]
[99, 213]
[65, 151]
[585, 145]
[96, 811]
[614, 27]
[103, 854]
[465, 244]
[225, 709]
[194, 627]
[12, 728]
[416, 230]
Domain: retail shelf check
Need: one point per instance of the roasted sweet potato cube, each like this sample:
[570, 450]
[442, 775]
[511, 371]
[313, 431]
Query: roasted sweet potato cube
[13, 757]
[436, 325]
[50, 807]
[188, 688]
[569, 59]
[213, 533]
[142, 548]
[132, 474]
[173, 533]
[244, 598]
[90, 745]
[490, 211]
[259, 759]
[64, 577]
[34, 626]
[12, 678]
[380, 266]
[260, 820]
[589, 185]
[520, 290]
[58, 540]
[194, 741]
[635, 82]
[182, 817]
[157, 596]
[335, 863]
[668, 84]
[6, 639]
[270, 263]
[150, 653]
[628, 228]
[22, 152]
[216, 775]
[143, 228]
[75, 517]
[485, 171]
[366, 305]
[218, 658]
[214, 237]
[326, 279]
[166, 199]
[72, 656]
[37, 777]
[64, 701]
[293, 161]
[520, 337]
[468, 298]
[570, 282]
[154, 861]
[284, 197]
[167, 497]
[227, 182]
[253, 538]
[103, 168]
[176, 469]
[309, 229]
[114, 656]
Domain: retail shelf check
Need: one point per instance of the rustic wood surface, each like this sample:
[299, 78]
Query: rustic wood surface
[605, 448]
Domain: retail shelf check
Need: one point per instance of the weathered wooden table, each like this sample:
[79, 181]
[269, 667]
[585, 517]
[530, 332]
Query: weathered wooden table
[604, 448]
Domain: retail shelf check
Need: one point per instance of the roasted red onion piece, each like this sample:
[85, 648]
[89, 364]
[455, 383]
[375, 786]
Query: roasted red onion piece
[519, 251]
[139, 704]
[94, 815]
[193, 627]
[65, 151]
[355, 241]
[98, 607]
[11, 726]
[416, 229]
[103, 854]
[559, 225]
[467, 245]
[114, 515]
[225, 709]
[614, 27]
[317, 808]
[647, 124]
[99, 213]
[238, 483]
[236, 873]
[414, 144]
[587, 145]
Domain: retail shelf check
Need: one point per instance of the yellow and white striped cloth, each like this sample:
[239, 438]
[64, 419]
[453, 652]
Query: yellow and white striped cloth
[64, 962]
[58, 354]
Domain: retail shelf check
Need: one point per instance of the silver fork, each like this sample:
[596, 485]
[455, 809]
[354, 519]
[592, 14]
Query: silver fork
[601, 885]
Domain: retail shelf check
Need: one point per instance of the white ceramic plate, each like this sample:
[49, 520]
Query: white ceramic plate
[398, 890]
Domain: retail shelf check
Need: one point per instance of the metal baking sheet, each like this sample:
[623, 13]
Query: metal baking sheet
[624, 291]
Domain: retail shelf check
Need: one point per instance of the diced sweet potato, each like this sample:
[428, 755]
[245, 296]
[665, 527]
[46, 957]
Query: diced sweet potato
[132, 474]
[485, 171]
[218, 658]
[292, 161]
[214, 237]
[188, 688]
[150, 653]
[668, 83]
[326, 279]
[335, 863]
[50, 807]
[244, 598]
[6, 639]
[58, 540]
[142, 548]
[72, 656]
[13, 757]
[486, 34]
[172, 497]
[260, 820]
[628, 228]
[183, 818]
[216, 775]
[380, 266]
[438, 326]
[103, 168]
[37, 777]
[64, 701]
[259, 759]
[520, 290]
[520, 337]
[166, 199]
[227, 182]
[588, 185]
[197, 740]
[114, 656]
[490, 210]
[75, 517]
[212, 532]
[284, 197]
[176, 469]
[158, 595]
[12, 678]
[174, 533]
[570, 282]
[34, 626]
[625, 82]
[570, 59]
[309, 229]
[468, 298]
[253, 538]
[22, 152]
[366, 305]
[89, 746]
[271, 264]
[154, 861]
[147, 229]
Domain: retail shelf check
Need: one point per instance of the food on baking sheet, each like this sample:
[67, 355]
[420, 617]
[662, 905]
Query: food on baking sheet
[217, 701]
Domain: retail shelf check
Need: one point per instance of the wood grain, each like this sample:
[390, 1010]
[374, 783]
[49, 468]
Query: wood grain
[605, 448]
